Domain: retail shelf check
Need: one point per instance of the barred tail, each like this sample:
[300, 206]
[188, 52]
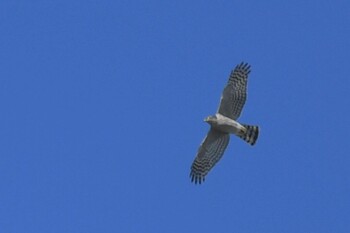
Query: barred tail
[251, 135]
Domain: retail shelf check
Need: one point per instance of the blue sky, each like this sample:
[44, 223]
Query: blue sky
[103, 105]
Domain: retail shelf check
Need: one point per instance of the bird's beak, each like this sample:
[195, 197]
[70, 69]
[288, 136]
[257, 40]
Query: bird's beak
[205, 119]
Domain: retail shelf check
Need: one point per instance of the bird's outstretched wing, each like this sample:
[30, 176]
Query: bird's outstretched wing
[209, 153]
[235, 93]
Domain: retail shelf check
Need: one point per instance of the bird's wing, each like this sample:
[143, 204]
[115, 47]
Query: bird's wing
[209, 153]
[235, 93]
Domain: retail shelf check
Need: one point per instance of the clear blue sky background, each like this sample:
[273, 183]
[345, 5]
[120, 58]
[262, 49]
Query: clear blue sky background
[102, 108]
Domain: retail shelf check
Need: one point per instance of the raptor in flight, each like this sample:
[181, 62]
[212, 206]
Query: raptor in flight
[224, 123]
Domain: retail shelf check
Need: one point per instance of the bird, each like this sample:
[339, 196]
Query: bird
[224, 123]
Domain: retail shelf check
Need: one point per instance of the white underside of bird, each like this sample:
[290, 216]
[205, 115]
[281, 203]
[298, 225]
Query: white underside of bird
[225, 124]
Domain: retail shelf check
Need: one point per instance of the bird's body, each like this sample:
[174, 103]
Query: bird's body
[224, 123]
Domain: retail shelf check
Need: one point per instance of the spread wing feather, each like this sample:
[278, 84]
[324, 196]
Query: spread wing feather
[209, 153]
[235, 92]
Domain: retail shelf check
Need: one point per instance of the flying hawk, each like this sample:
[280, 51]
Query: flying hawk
[224, 123]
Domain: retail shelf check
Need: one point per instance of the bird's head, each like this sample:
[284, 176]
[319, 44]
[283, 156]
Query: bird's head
[210, 119]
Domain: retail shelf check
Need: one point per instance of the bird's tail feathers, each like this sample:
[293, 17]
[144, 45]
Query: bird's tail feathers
[251, 135]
